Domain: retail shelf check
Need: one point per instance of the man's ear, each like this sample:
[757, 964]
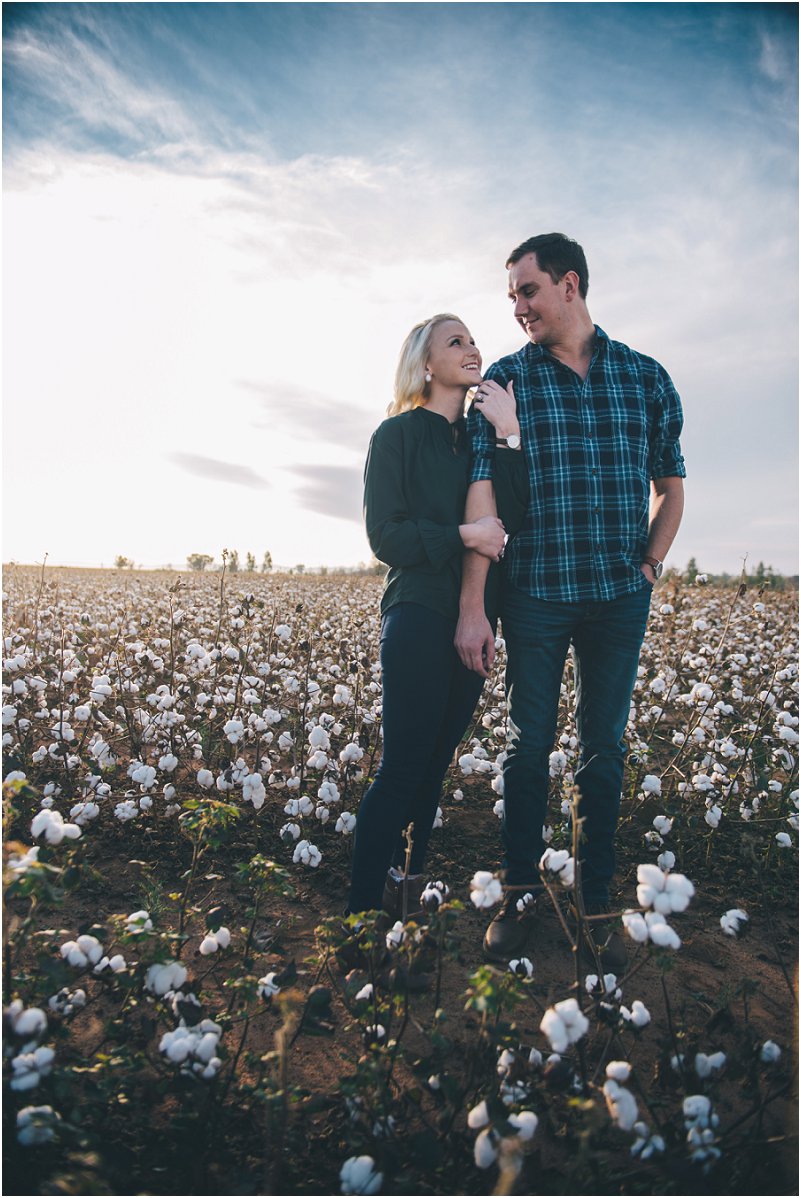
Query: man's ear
[571, 282]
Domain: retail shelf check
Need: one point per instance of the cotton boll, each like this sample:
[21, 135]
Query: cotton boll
[170, 975]
[27, 1022]
[478, 1117]
[732, 920]
[635, 925]
[639, 1015]
[618, 1071]
[706, 1065]
[268, 987]
[485, 889]
[621, 1104]
[485, 1152]
[526, 1122]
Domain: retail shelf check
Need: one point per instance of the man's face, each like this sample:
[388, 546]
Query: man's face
[541, 307]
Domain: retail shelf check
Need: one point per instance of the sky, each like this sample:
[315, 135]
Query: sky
[221, 220]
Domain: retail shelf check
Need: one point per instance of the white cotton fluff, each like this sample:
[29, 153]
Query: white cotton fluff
[665, 892]
[731, 921]
[50, 824]
[358, 1175]
[268, 987]
[651, 785]
[36, 1125]
[564, 1024]
[220, 938]
[253, 791]
[621, 1104]
[307, 853]
[478, 1117]
[560, 863]
[319, 739]
[526, 1123]
[86, 950]
[660, 931]
[639, 1015]
[485, 889]
[706, 1065]
[169, 975]
[485, 1152]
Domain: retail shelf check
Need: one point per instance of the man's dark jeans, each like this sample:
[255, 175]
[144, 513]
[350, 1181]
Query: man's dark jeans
[428, 699]
[606, 638]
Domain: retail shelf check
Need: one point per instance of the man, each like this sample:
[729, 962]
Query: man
[599, 426]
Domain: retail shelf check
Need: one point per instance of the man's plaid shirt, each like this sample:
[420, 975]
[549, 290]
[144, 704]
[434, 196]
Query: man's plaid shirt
[592, 449]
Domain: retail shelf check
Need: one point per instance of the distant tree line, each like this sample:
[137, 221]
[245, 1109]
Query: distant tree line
[200, 561]
[762, 577]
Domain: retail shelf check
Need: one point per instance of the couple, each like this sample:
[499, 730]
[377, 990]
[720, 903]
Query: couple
[574, 443]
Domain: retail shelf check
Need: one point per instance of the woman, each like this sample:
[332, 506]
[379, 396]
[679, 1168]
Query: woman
[416, 480]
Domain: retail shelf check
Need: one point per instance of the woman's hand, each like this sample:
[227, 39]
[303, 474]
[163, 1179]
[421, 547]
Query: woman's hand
[499, 407]
[486, 536]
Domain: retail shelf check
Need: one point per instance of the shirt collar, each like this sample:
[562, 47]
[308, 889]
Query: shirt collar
[536, 353]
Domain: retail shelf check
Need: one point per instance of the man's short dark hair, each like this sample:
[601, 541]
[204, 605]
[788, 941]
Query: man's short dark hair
[556, 255]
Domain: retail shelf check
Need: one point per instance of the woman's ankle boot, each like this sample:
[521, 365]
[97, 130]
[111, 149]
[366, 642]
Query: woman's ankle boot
[402, 895]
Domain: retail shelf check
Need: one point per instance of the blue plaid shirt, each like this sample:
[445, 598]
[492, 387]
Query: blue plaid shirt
[592, 448]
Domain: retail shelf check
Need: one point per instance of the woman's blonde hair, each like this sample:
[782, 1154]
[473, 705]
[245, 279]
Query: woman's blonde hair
[411, 388]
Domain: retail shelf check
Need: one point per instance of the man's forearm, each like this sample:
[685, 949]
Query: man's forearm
[667, 506]
[480, 502]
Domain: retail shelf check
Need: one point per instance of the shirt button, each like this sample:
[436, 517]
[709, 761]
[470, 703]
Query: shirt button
[594, 470]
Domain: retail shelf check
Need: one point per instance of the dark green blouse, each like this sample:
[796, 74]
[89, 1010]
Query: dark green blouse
[415, 485]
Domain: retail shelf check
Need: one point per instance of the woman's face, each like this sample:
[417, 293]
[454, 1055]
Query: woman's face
[453, 359]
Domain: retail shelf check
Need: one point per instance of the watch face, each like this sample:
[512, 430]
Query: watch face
[513, 441]
[658, 570]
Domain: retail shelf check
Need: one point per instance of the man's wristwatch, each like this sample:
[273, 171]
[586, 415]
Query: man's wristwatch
[511, 442]
[655, 565]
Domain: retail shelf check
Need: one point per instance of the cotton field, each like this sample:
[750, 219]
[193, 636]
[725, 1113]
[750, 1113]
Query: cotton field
[184, 760]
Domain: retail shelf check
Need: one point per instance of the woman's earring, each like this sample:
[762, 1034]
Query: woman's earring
[428, 376]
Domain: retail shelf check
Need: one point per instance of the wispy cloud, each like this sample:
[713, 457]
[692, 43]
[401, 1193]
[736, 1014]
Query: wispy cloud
[321, 418]
[92, 93]
[223, 472]
[331, 490]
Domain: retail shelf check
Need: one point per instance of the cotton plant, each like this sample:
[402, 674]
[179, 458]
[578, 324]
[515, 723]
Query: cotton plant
[214, 940]
[564, 1024]
[37, 1125]
[733, 921]
[485, 889]
[194, 1049]
[620, 1102]
[560, 866]
[359, 1175]
[50, 824]
[307, 854]
[700, 1122]
[497, 1144]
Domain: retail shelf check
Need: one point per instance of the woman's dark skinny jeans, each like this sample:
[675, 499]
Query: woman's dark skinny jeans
[429, 697]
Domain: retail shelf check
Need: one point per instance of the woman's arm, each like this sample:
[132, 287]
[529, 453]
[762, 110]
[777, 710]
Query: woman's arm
[397, 538]
[499, 407]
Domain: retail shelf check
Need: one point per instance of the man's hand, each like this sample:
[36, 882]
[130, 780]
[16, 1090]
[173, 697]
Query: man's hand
[475, 642]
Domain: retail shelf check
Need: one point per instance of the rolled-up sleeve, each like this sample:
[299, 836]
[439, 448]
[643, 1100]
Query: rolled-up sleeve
[665, 457]
[395, 536]
[482, 445]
